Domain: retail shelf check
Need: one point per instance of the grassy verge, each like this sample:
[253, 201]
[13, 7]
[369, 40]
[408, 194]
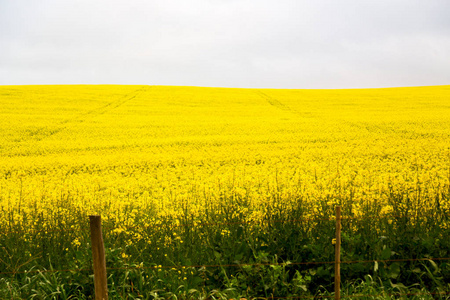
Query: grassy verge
[227, 254]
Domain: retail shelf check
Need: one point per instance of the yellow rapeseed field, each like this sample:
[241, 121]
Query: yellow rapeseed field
[161, 151]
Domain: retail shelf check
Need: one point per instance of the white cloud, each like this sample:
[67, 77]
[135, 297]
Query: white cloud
[246, 43]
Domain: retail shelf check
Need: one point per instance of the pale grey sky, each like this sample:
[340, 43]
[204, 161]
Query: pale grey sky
[226, 43]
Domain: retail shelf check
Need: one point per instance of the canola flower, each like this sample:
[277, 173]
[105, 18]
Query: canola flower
[138, 155]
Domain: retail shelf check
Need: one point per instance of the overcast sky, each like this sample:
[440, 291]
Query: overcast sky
[226, 43]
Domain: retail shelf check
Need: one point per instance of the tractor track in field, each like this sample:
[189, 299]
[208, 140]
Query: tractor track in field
[274, 102]
[109, 106]
[281, 106]
[43, 132]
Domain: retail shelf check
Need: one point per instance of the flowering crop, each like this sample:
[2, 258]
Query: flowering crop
[158, 152]
[188, 176]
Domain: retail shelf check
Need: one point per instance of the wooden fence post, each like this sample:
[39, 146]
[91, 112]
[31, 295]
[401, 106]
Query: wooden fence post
[98, 256]
[337, 259]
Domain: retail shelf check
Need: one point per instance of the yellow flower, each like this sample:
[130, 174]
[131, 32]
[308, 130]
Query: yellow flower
[76, 242]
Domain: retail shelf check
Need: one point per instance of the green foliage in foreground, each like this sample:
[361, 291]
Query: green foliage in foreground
[227, 257]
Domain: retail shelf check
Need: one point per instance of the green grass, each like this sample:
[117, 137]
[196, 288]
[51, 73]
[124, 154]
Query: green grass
[228, 257]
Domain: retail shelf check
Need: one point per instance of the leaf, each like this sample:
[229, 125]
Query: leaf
[243, 248]
[197, 280]
[386, 253]
[394, 270]
[375, 267]
[400, 286]
[430, 274]
[239, 231]
[238, 257]
[322, 272]
[187, 262]
[435, 266]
